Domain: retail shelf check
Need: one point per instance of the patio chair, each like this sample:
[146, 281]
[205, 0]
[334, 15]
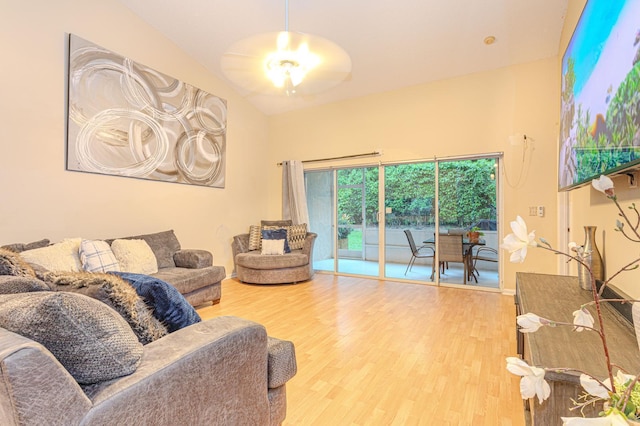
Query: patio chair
[422, 252]
[451, 249]
[485, 254]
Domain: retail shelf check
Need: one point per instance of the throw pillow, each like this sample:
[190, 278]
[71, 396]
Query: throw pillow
[62, 256]
[89, 339]
[276, 234]
[165, 301]
[296, 235]
[163, 244]
[96, 256]
[273, 247]
[276, 223]
[11, 263]
[114, 292]
[255, 237]
[135, 256]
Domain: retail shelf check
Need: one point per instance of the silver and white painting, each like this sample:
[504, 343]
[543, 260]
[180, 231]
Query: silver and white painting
[127, 119]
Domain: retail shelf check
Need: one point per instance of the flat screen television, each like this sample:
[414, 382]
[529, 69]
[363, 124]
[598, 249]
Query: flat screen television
[600, 100]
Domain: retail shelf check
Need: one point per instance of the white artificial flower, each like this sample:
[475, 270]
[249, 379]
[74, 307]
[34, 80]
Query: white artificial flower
[530, 323]
[622, 379]
[582, 318]
[594, 387]
[532, 382]
[604, 185]
[517, 243]
[612, 419]
[573, 246]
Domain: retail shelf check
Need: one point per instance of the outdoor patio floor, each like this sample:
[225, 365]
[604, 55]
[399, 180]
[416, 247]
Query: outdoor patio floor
[420, 273]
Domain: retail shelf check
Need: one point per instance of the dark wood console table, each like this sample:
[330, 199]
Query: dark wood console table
[556, 297]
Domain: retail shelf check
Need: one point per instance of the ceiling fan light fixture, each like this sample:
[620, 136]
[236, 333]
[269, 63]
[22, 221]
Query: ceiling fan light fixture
[288, 67]
[254, 65]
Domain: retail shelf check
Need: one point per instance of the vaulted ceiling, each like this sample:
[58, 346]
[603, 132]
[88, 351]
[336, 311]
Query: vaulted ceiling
[392, 44]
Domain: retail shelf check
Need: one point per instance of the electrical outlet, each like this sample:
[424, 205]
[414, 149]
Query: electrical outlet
[540, 211]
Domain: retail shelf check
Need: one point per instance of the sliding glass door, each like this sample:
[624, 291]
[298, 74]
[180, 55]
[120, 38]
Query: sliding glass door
[427, 206]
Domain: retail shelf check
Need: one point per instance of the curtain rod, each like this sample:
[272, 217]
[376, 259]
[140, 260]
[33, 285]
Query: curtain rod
[368, 154]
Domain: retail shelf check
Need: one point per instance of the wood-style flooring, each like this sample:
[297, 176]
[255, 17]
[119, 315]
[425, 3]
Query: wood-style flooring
[373, 352]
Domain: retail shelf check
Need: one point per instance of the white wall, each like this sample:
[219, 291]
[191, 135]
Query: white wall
[40, 199]
[473, 114]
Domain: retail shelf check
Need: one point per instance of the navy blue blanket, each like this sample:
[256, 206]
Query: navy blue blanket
[166, 302]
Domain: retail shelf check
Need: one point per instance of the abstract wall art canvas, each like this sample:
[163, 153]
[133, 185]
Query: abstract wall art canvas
[127, 119]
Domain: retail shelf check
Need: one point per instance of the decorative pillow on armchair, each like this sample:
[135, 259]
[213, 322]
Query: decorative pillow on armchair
[272, 247]
[296, 235]
[276, 234]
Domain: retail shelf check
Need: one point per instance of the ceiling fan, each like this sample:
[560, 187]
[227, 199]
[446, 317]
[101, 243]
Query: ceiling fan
[286, 63]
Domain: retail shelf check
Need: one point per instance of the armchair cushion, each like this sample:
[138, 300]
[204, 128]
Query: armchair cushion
[87, 337]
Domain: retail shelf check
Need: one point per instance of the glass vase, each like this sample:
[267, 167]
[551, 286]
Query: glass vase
[591, 258]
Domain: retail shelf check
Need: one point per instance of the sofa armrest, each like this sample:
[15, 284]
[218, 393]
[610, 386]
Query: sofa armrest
[193, 258]
[308, 244]
[240, 244]
[35, 388]
[212, 372]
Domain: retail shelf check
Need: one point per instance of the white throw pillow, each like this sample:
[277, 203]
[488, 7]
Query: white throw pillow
[272, 247]
[135, 256]
[62, 256]
[96, 256]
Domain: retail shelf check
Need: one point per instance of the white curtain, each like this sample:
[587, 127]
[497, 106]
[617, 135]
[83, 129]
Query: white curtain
[294, 196]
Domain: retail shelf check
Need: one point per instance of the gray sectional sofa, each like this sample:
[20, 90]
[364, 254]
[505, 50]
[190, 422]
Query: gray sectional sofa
[191, 271]
[223, 371]
[83, 348]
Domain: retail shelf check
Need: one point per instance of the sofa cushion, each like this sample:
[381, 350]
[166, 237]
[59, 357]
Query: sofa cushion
[97, 256]
[165, 301]
[163, 244]
[10, 284]
[62, 256]
[134, 256]
[20, 247]
[255, 260]
[11, 263]
[114, 292]
[89, 339]
[189, 280]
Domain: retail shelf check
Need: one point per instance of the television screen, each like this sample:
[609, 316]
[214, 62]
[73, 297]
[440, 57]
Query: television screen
[600, 101]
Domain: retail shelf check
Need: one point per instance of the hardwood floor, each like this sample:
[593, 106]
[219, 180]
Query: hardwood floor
[375, 352]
